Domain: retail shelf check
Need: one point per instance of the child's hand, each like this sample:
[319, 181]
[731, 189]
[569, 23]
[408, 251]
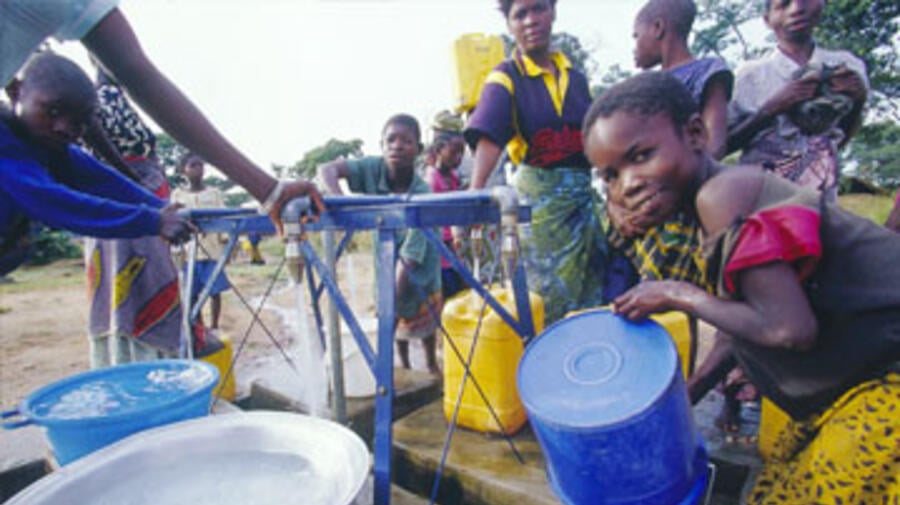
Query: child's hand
[291, 190]
[633, 215]
[794, 92]
[623, 220]
[650, 297]
[847, 82]
[172, 227]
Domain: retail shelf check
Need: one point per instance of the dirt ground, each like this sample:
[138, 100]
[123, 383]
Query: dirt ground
[43, 317]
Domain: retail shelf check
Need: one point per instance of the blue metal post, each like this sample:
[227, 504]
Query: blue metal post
[384, 365]
[384, 215]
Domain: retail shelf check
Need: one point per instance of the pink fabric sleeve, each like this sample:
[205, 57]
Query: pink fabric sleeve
[789, 234]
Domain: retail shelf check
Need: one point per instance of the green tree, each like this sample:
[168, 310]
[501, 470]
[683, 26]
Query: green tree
[278, 169]
[876, 150]
[49, 245]
[719, 30]
[569, 45]
[168, 151]
[868, 29]
[331, 150]
[609, 77]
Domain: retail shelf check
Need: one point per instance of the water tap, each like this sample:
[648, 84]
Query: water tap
[292, 215]
[476, 239]
[506, 198]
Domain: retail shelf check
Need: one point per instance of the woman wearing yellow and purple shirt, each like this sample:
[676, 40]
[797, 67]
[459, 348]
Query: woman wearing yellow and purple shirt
[533, 104]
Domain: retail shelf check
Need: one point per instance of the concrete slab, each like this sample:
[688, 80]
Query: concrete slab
[21, 447]
[413, 389]
[399, 496]
[23, 454]
[480, 469]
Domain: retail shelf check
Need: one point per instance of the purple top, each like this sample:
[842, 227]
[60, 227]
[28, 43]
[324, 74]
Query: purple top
[534, 114]
[696, 76]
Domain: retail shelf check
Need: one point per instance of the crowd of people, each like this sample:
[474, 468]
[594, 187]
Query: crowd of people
[802, 294]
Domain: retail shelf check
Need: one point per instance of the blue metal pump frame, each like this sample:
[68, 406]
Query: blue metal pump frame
[384, 215]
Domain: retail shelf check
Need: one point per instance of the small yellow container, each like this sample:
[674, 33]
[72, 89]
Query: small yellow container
[474, 56]
[221, 359]
[494, 363]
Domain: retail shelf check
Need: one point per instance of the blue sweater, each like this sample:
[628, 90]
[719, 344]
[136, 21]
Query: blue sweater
[82, 195]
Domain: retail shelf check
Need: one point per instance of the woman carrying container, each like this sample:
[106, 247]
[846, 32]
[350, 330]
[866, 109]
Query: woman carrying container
[532, 105]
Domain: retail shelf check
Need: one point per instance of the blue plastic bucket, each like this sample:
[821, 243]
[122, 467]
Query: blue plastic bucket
[609, 407]
[90, 410]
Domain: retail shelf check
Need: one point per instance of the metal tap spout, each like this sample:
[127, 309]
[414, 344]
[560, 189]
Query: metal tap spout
[292, 215]
[508, 201]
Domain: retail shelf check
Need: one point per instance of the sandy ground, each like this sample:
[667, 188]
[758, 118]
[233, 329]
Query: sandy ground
[43, 316]
[43, 319]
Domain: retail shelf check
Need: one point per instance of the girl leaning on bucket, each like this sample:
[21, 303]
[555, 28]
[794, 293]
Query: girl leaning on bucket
[805, 291]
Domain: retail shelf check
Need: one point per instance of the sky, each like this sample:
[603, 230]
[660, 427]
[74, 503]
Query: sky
[283, 76]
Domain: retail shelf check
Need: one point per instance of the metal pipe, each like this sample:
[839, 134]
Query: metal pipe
[508, 201]
[186, 277]
[339, 403]
[292, 215]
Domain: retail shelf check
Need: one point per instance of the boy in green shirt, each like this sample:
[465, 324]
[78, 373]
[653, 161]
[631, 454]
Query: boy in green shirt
[418, 278]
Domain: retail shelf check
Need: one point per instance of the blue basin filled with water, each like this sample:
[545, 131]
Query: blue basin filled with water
[608, 404]
[90, 410]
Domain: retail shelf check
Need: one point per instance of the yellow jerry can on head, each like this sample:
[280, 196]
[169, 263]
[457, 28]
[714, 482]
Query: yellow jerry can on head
[495, 360]
[474, 56]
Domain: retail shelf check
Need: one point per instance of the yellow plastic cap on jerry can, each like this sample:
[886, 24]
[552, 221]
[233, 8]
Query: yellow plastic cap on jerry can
[221, 359]
[494, 362]
[474, 56]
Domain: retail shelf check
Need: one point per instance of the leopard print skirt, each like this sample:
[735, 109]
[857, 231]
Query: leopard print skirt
[848, 454]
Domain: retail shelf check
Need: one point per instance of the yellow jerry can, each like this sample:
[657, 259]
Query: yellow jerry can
[683, 331]
[221, 359]
[494, 362]
[474, 56]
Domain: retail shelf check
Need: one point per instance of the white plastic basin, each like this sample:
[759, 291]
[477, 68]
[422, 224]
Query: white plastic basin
[249, 458]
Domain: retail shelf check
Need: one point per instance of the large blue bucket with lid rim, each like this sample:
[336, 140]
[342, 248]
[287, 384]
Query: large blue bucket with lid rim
[90, 410]
[609, 407]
